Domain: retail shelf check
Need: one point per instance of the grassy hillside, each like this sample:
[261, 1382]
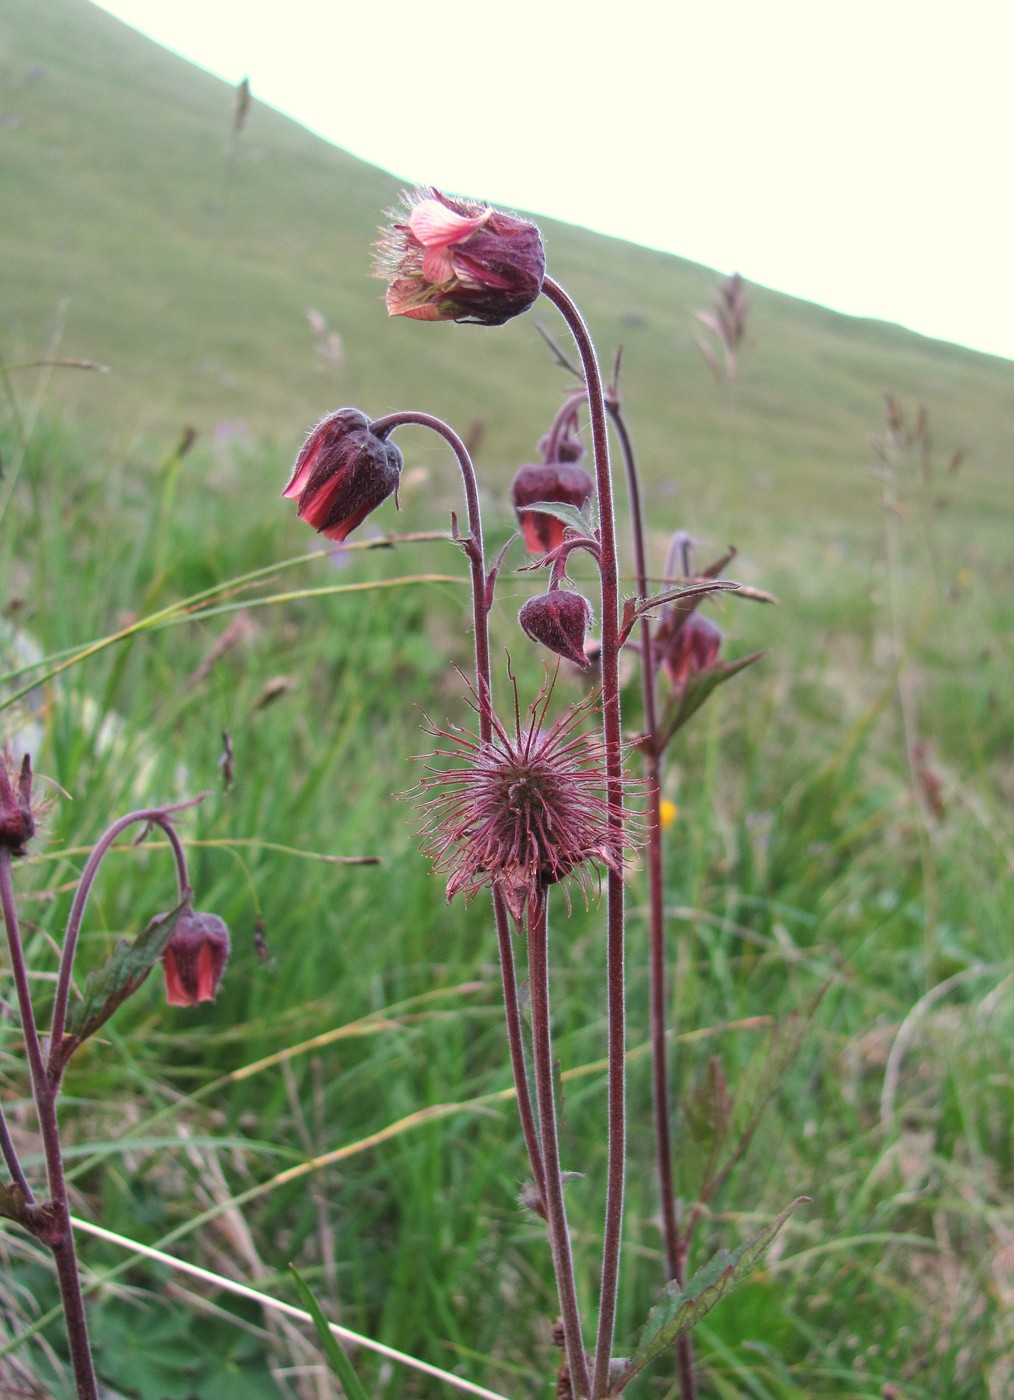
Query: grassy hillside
[843, 807]
[138, 232]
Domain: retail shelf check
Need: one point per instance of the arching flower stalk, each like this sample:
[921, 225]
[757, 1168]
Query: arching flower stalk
[74, 1018]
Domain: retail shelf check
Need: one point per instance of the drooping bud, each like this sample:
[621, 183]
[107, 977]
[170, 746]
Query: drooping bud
[194, 959]
[559, 620]
[453, 260]
[689, 649]
[554, 481]
[343, 472]
[17, 822]
[567, 447]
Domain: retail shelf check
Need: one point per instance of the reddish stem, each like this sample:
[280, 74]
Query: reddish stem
[674, 1247]
[609, 576]
[556, 1214]
[59, 1235]
[474, 551]
[152, 816]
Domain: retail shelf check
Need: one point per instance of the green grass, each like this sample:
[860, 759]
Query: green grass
[799, 857]
[804, 853]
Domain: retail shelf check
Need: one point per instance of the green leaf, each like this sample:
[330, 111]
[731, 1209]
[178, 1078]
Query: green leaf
[680, 1309]
[13, 1205]
[719, 1126]
[339, 1362]
[563, 510]
[684, 704]
[108, 986]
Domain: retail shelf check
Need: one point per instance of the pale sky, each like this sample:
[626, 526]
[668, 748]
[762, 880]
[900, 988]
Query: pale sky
[857, 153]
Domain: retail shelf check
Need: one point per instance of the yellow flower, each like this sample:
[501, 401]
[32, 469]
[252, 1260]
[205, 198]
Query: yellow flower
[667, 813]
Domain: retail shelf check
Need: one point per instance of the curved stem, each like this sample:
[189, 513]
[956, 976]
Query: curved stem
[151, 816]
[10, 1156]
[563, 552]
[609, 574]
[473, 547]
[564, 422]
[556, 1214]
[58, 1234]
[481, 601]
[674, 1247]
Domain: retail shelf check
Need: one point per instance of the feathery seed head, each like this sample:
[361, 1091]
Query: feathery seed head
[523, 811]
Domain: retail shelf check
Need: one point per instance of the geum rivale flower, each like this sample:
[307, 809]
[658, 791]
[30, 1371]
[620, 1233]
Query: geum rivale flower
[453, 260]
[559, 621]
[343, 472]
[17, 817]
[562, 482]
[524, 810]
[194, 959]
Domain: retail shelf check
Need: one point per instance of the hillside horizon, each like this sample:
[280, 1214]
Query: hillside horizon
[143, 234]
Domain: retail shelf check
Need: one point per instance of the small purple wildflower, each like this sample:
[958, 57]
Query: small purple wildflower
[454, 260]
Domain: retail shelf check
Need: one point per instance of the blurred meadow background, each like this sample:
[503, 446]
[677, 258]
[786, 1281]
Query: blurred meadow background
[843, 808]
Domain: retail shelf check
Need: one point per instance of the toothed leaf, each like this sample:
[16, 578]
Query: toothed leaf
[680, 1309]
[108, 986]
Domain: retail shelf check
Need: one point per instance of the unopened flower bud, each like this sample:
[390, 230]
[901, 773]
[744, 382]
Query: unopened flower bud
[559, 620]
[567, 448]
[554, 481]
[17, 822]
[692, 648]
[343, 472]
[194, 959]
[453, 260]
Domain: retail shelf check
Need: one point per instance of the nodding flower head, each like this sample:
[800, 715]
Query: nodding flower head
[17, 819]
[559, 620]
[565, 482]
[194, 959]
[452, 260]
[343, 472]
[686, 646]
[522, 811]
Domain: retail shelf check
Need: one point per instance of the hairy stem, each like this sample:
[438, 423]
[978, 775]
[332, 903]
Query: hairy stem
[474, 550]
[150, 816]
[610, 598]
[556, 1215]
[11, 1161]
[516, 1043]
[58, 1233]
[473, 547]
[675, 1249]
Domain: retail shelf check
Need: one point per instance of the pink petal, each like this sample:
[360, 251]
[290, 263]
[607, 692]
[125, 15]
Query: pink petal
[303, 470]
[207, 973]
[408, 298]
[424, 313]
[436, 226]
[176, 993]
[437, 265]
